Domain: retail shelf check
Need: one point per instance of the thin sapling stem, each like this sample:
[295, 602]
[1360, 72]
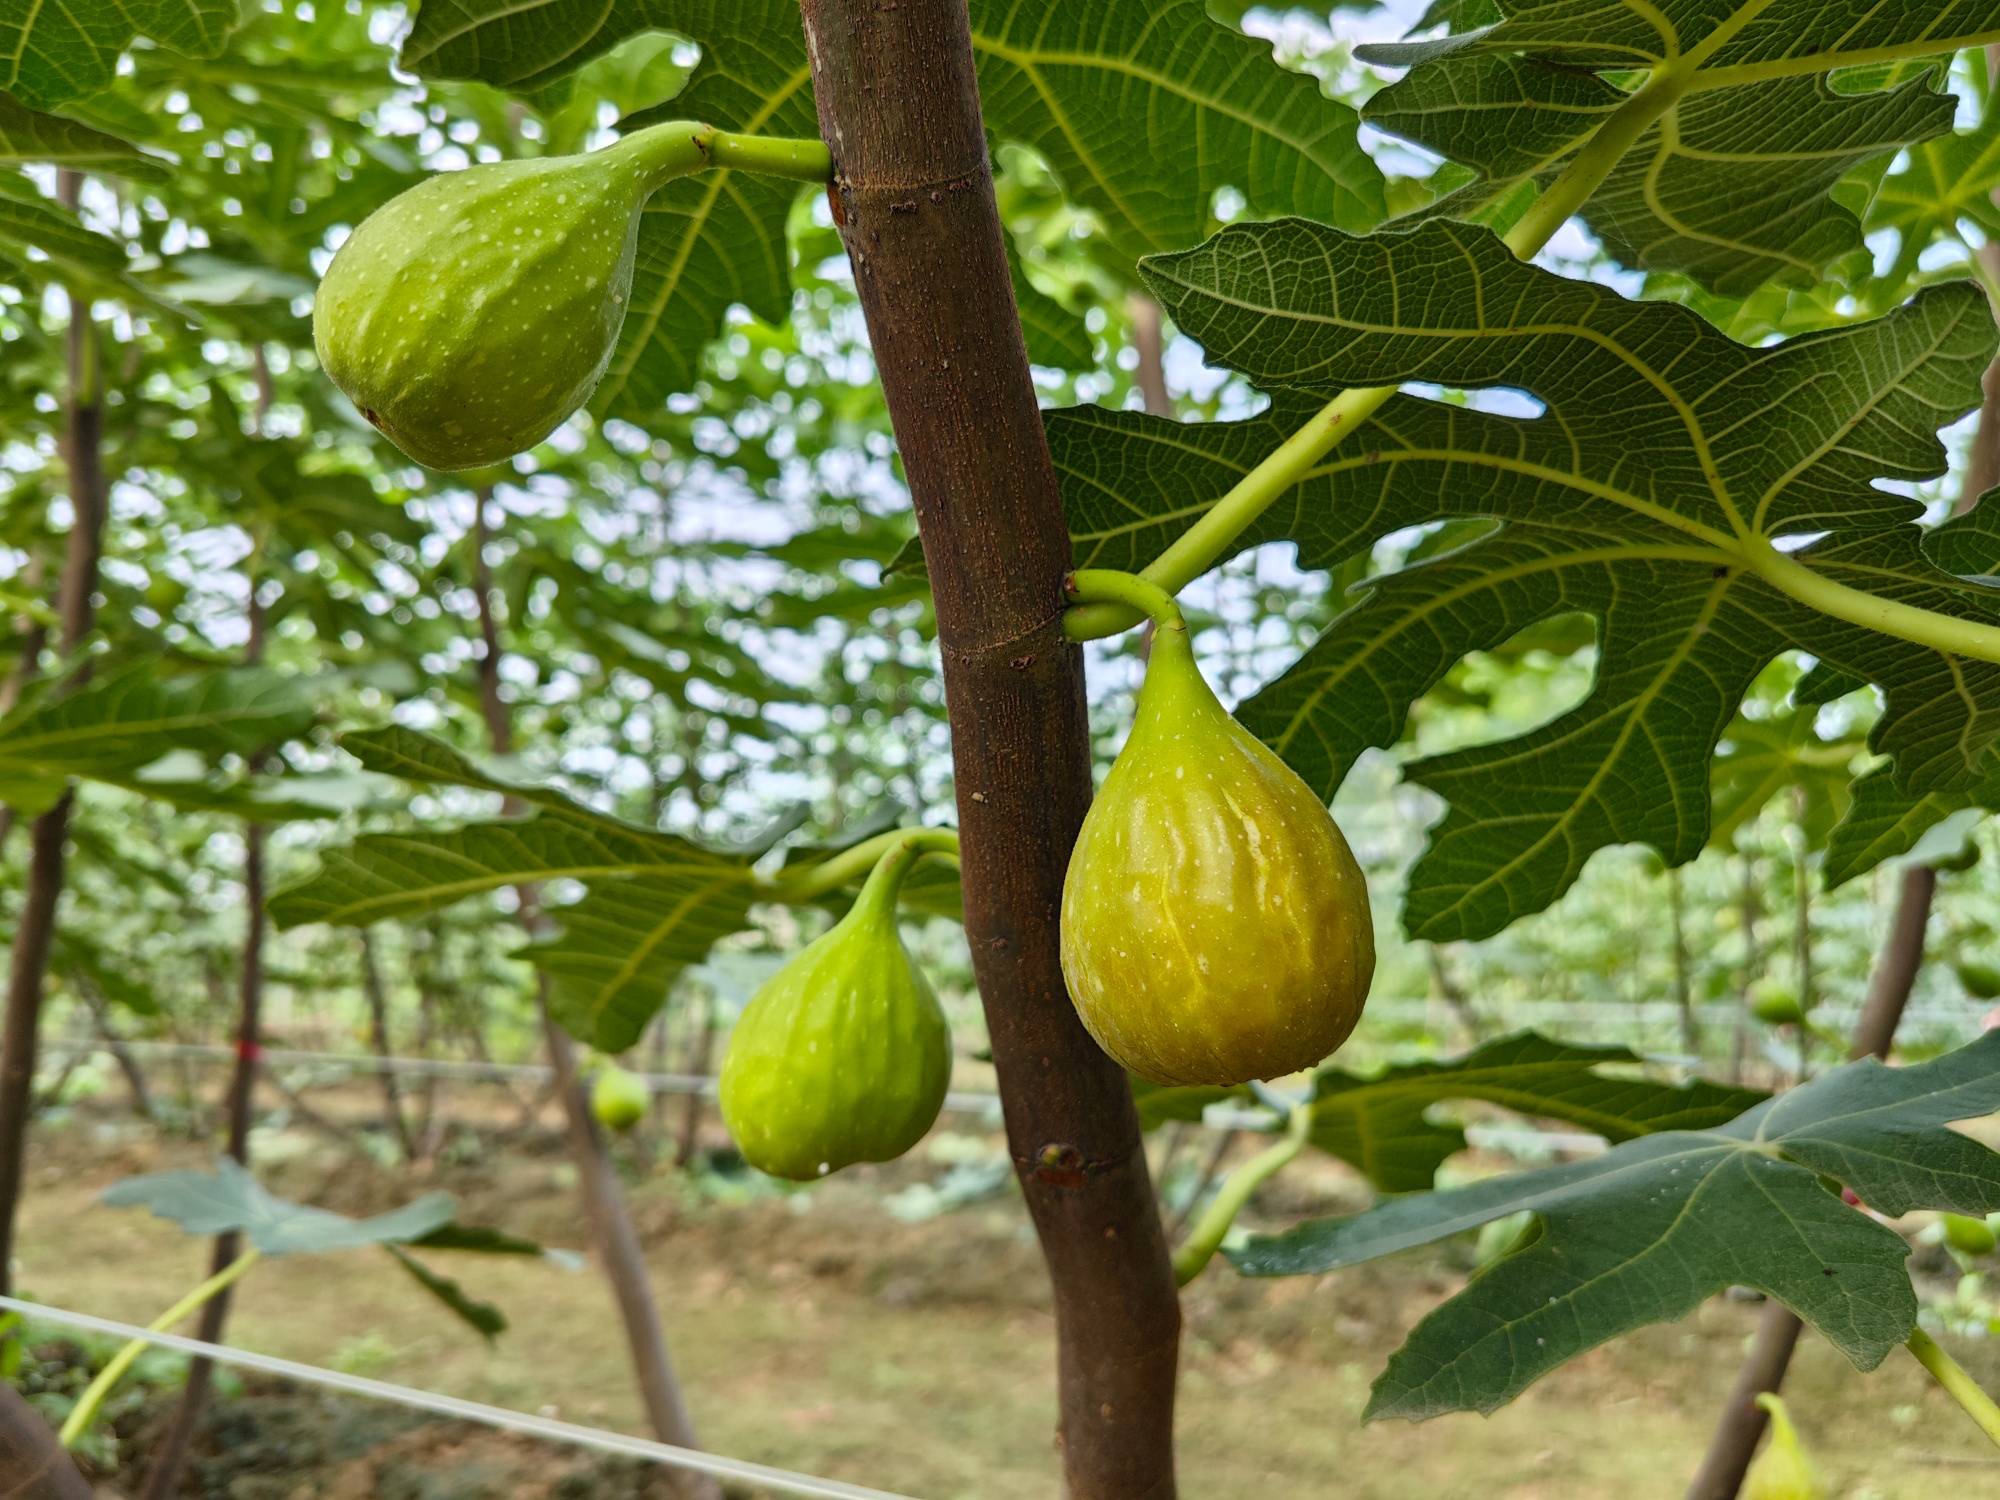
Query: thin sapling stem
[93, 1397]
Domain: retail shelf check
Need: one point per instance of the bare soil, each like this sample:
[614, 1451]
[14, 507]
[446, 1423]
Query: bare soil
[816, 1332]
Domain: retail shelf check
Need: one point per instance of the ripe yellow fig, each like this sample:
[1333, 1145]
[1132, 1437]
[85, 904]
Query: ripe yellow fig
[1782, 1471]
[844, 1054]
[1215, 925]
[468, 317]
[618, 1098]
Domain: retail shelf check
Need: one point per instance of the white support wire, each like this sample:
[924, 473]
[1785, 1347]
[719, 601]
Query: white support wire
[437, 1067]
[785, 1481]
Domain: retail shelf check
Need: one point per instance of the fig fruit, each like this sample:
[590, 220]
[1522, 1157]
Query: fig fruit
[1776, 1003]
[618, 1098]
[468, 317]
[1969, 1236]
[843, 1055]
[1782, 1471]
[1215, 925]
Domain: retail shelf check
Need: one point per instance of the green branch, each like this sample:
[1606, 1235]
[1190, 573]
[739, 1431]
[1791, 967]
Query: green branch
[86, 1408]
[1207, 1235]
[681, 148]
[1960, 1386]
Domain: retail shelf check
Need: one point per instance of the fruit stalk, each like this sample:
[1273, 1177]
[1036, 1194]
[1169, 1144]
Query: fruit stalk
[897, 94]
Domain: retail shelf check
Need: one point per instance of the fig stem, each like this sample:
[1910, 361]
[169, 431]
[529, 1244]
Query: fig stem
[681, 148]
[906, 845]
[770, 156]
[1207, 1235]
[1958, 1385]
[1088, 586]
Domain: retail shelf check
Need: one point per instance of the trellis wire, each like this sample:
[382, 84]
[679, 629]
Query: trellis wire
[782, 1480]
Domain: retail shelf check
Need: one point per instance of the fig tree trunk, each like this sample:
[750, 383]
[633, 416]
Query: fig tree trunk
[33, 1465]
[913, 196]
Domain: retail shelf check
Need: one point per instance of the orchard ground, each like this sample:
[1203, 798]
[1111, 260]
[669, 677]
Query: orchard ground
[820, 1332]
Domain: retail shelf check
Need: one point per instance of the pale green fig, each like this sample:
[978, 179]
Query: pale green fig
[618, 1098]
[844, 1054]
[468, 317]
[1776, 1003]
[1215, 925]
[1969, 1236]
[1782, 1471]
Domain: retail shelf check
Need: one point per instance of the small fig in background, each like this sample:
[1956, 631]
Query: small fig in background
[1981, 981]
[468, 317]
[1969, 1236]
[1781, 1471]
[844, 1054]
[1215, 925]
[618, 1098]
[1775, 1003]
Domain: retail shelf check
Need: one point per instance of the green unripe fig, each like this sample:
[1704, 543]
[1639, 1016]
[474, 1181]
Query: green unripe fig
[1781, 1471]
[1981, 981]
[468, 317]
[1215, 925]
[618, 1098]
[844, 1054]
[1775, 1003]
[1969, 1236]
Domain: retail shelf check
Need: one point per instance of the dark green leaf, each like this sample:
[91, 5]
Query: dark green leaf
[479, 1238]
[1378, 1125]
[1883, 823]
[122, 722]
[1647, 497]
[1648, 1231]
[28, 135]
[1741, 180]
[656, 902]
[50, 54]
[485, 1319]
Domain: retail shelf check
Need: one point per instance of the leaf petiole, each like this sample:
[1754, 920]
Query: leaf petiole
[93, 1397]
[1207, 1235]
[1203, 544]
[1960, 1386]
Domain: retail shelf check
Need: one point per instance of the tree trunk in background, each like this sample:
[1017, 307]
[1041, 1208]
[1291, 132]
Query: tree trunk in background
[171, 1454]
[604, 1202]
[1683, 976]
[83, 455]
[913, 197]
[128, 1064]
[700, 1045]
[1148, 340]
[1743, 1421]
[378, 1038]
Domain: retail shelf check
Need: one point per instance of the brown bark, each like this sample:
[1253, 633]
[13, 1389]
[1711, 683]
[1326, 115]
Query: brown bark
[83, 456]
[703, 1044]
[604, 1202]
[913, 196]
[1743, 1421]
[171, 1453]
[33, 1465]
[163, 1481]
